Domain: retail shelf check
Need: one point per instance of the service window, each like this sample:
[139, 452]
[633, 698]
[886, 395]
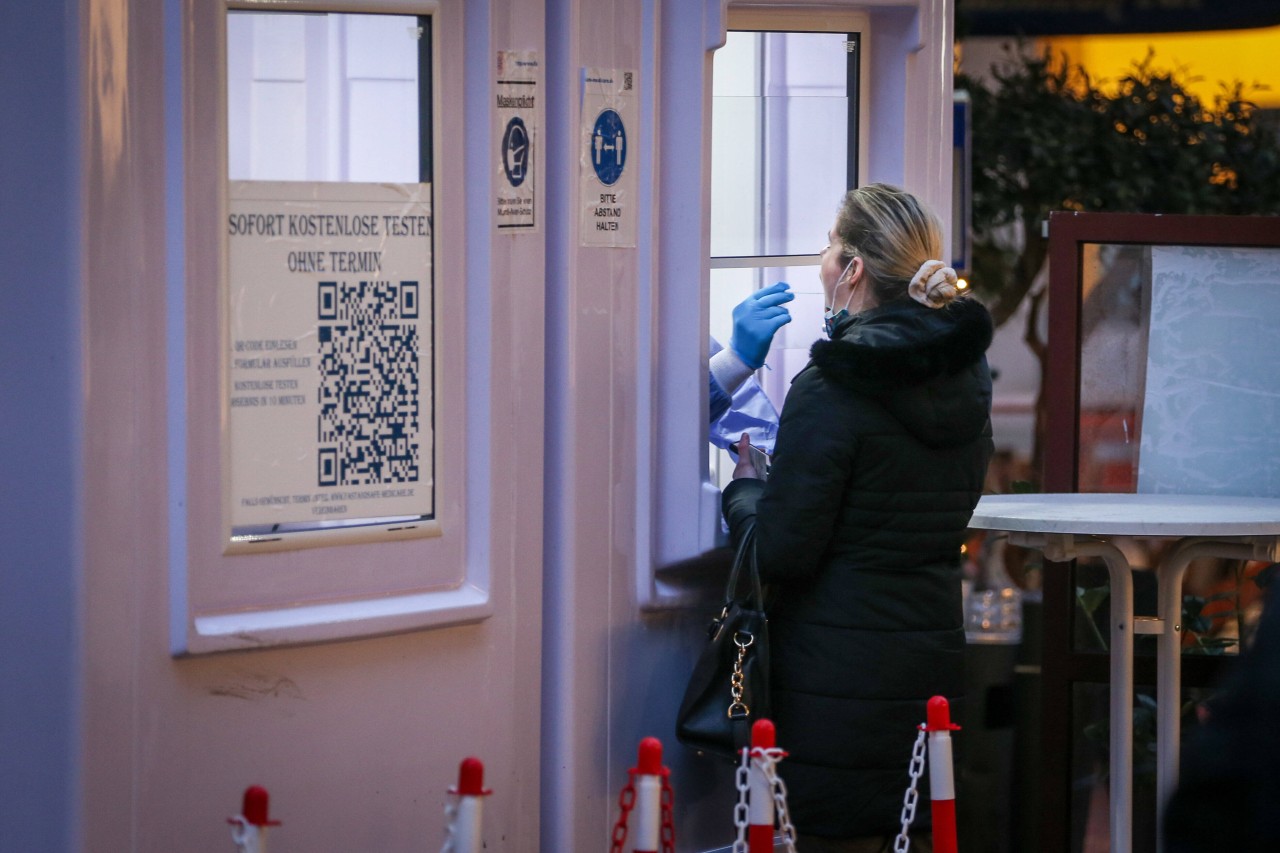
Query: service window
[329, 278]
[318, 450]
[785, 148]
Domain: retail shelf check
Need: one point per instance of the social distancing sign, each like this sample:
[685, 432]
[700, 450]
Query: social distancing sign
[609, 165]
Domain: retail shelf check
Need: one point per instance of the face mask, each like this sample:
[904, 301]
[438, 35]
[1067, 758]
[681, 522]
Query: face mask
[831, 318]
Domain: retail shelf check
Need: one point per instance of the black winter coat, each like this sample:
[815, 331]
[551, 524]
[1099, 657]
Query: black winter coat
[881, 454]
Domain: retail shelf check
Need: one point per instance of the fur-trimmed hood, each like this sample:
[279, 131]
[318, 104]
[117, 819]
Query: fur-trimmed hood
[926, 365]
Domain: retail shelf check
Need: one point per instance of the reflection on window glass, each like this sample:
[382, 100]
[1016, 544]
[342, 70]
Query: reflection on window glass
[1090, 765]
[325, 97]
[1113, 353]
[780, 141]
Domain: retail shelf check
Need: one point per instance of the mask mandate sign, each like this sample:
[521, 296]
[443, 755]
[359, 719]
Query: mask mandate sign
[515, 129]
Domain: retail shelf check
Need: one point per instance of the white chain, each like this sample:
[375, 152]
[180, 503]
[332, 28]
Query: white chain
[450, 812]
[246, 841]
[766, 760]
[740, 813]
[902, 843]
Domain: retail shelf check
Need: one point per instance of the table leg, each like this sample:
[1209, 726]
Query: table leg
[1121, 701]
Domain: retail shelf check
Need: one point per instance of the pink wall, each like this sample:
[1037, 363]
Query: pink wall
[357, 741]
[570, 413]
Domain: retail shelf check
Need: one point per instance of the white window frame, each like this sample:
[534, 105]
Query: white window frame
[353, 587]
[684, 516]
[773, 381]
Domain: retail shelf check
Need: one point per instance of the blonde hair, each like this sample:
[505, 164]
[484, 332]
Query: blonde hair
[897, 237]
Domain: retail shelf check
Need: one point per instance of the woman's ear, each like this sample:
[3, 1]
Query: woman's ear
[855, 271]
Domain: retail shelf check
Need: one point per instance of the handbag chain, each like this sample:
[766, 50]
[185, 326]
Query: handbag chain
[738, 708]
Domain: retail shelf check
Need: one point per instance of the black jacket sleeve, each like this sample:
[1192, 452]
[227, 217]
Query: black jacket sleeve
[798, 509]
[739, 506]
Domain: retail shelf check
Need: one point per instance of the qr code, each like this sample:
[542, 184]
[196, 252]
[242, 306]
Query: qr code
[627, 80]
[368, 422]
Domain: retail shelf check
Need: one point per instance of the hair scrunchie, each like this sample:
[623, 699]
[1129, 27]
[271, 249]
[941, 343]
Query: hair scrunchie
[934, 285]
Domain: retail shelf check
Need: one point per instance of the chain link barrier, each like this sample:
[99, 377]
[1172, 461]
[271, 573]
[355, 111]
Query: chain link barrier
[627, 802]
[741, 815]
[246, 841]
[668, 835]
[902, 843]
[450, 812]
[765, 760]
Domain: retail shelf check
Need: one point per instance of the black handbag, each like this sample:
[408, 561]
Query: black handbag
[729, 687]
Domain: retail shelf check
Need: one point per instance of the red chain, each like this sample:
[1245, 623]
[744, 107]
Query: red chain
[626, 800]
[668, 824]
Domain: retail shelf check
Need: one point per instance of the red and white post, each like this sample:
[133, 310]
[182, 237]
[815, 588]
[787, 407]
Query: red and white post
[465, 828]
[942, 784]
[647, 837]
[249, 828]
[760, 813]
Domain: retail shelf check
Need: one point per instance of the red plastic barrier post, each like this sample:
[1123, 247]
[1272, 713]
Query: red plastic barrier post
[249, 828]
[648, 793]
[465, 831]
[760, 807]
[941, 775]
[648, 829]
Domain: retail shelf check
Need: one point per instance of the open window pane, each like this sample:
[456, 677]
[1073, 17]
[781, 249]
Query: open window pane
[783, 138]
[790, 350]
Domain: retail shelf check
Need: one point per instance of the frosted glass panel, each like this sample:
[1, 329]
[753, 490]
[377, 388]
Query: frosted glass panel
[1211, 415]
[1178, 391]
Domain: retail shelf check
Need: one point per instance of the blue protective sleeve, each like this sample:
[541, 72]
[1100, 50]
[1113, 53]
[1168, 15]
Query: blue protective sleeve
[719, 400]
[749, 410]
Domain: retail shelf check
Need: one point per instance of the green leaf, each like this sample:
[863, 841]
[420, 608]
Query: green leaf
[1091, 598]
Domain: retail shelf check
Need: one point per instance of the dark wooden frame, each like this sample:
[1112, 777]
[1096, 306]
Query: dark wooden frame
[1061, 666]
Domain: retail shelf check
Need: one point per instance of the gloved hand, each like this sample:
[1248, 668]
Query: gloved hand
[755, 319]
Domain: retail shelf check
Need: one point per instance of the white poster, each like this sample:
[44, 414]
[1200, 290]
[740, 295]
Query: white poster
[610, 130]
[516, 130]
[329, 364]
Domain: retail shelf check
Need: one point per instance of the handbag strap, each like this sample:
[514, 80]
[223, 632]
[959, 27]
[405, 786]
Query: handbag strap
[744, 560]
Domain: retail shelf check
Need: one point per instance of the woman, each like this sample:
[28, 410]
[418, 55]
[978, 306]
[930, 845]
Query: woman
[880, 458]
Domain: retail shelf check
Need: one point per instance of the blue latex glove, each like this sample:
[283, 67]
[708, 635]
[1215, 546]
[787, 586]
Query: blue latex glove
[755, 319]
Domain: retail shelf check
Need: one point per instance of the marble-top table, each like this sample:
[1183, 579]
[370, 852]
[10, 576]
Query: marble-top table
[1069, 526]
